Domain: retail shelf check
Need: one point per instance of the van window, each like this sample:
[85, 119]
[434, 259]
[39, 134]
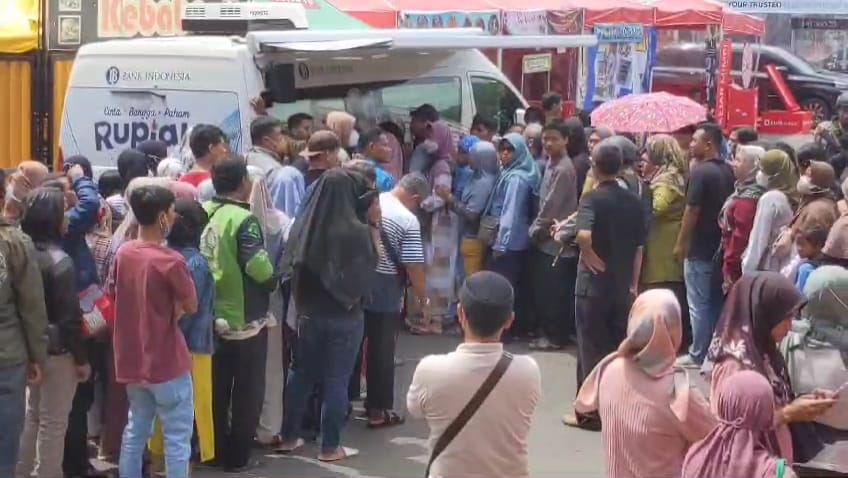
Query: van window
[492, 98]
[379, 101]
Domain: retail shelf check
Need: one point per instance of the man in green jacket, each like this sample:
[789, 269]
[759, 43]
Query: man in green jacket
[244, 277]
[23, 336]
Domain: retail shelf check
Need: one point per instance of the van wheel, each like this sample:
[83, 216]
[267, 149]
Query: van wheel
[819, 107]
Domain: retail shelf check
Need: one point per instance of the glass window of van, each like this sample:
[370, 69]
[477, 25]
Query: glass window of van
[494, 99]
[373, 103]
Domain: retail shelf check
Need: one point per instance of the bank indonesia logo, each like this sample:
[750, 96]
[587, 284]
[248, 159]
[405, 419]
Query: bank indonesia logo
[113, 74]
[303, 71]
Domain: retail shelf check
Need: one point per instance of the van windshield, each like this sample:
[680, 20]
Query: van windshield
[373, 103]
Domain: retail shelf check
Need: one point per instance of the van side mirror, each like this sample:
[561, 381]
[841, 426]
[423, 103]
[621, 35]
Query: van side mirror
[519, 116]
[279, 81]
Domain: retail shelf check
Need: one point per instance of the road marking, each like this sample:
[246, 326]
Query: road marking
[404, 441]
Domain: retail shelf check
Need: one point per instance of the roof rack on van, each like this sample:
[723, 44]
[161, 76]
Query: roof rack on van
[412, 39]
[201, 18]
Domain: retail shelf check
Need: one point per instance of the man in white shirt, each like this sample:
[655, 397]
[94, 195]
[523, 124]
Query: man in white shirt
[493, 443]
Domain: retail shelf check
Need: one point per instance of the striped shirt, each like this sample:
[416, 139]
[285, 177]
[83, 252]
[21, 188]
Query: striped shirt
[403, 232]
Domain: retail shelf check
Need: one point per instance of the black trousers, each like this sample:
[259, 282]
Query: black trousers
[238, 391]
[381, 333]
[552, 295]
[76, 459]
[601, 326]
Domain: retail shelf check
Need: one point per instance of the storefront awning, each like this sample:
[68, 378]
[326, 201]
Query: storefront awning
[18, 26]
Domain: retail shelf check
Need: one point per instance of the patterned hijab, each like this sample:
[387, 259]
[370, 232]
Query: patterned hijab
[743, 444]
[757, 303]
[654, 333]
[777, 166]
[672, 168]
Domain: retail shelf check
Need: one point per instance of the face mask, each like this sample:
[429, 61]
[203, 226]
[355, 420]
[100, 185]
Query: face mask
[805, 187]
[762, 179]
[353, 141]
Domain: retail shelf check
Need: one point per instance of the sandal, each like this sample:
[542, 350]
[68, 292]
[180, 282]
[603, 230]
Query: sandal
[348, 453]
[390, 419]
[284, 450]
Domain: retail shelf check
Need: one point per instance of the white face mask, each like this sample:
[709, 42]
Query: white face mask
[762, 179]
[353, 141]
[805, 187]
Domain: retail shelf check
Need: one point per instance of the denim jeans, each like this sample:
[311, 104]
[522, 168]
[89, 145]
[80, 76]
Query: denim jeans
[12, 412]
[326, 351]
[173, 403]
[703, 292]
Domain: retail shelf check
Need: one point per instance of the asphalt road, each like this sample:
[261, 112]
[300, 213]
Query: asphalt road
[556, 451]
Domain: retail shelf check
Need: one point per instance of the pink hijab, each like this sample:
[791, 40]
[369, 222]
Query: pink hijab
[395, 166]
[654, 332]
[442, 136]
[739, 446]
[342, 124]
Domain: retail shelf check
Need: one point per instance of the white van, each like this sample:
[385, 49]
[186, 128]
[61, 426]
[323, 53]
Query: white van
[123, 92]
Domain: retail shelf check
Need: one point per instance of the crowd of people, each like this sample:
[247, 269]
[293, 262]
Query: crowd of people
[189, 307]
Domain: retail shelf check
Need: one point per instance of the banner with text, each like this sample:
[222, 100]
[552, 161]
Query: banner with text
[531, 22]
[620, 64]
[488, 21]
[101, 125]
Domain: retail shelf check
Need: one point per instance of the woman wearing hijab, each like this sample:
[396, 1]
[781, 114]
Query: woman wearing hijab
[742, 443]
[816, 209]
[642, 399]
[774, 212]
[666, 168]
[30, 175]
[737, 215]
[330, 257]
[508, 210]
[440, 230]
[835, 250]
[758, 314]
[483, 160]
[274, 225]
[343, 124]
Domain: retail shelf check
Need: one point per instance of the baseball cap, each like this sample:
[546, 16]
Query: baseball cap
[323, 141]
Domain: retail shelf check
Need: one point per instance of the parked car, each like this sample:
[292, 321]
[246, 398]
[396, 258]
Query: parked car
[680, 69]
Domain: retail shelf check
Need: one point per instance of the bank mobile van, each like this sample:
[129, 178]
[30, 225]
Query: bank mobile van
[123, 92]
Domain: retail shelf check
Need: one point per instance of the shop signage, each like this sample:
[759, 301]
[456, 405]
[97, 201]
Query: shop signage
[820, 23]
[532, 22]
[536, 63]
[795, 7]
[724, 80]
[619, 33]
[71, 23]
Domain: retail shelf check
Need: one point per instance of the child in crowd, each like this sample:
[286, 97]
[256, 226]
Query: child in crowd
[153, 289]
[809, 242]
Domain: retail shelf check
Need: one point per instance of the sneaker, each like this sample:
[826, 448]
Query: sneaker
[686, 361]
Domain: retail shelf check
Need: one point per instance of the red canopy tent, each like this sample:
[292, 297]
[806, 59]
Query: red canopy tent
[683, 14]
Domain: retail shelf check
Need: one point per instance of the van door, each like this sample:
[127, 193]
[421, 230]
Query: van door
[494, 99]
[99, 123]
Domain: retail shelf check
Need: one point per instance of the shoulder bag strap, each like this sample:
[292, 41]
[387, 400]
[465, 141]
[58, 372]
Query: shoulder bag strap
[470, 409]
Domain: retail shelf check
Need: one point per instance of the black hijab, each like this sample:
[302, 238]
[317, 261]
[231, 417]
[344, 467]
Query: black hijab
[83, 162]
[331, 237]
[132, 164]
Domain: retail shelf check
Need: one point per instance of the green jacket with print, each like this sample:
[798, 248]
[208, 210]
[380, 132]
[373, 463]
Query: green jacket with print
[244, 276]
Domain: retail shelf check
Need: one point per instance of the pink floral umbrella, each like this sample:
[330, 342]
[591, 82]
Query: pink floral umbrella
[648, 113]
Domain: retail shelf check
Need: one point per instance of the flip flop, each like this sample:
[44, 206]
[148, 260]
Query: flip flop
[390, 419]
[348, 453]
[297, 444]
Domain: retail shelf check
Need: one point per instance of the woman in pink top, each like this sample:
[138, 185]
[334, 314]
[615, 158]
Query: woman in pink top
[757, 315]
[641, 398]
